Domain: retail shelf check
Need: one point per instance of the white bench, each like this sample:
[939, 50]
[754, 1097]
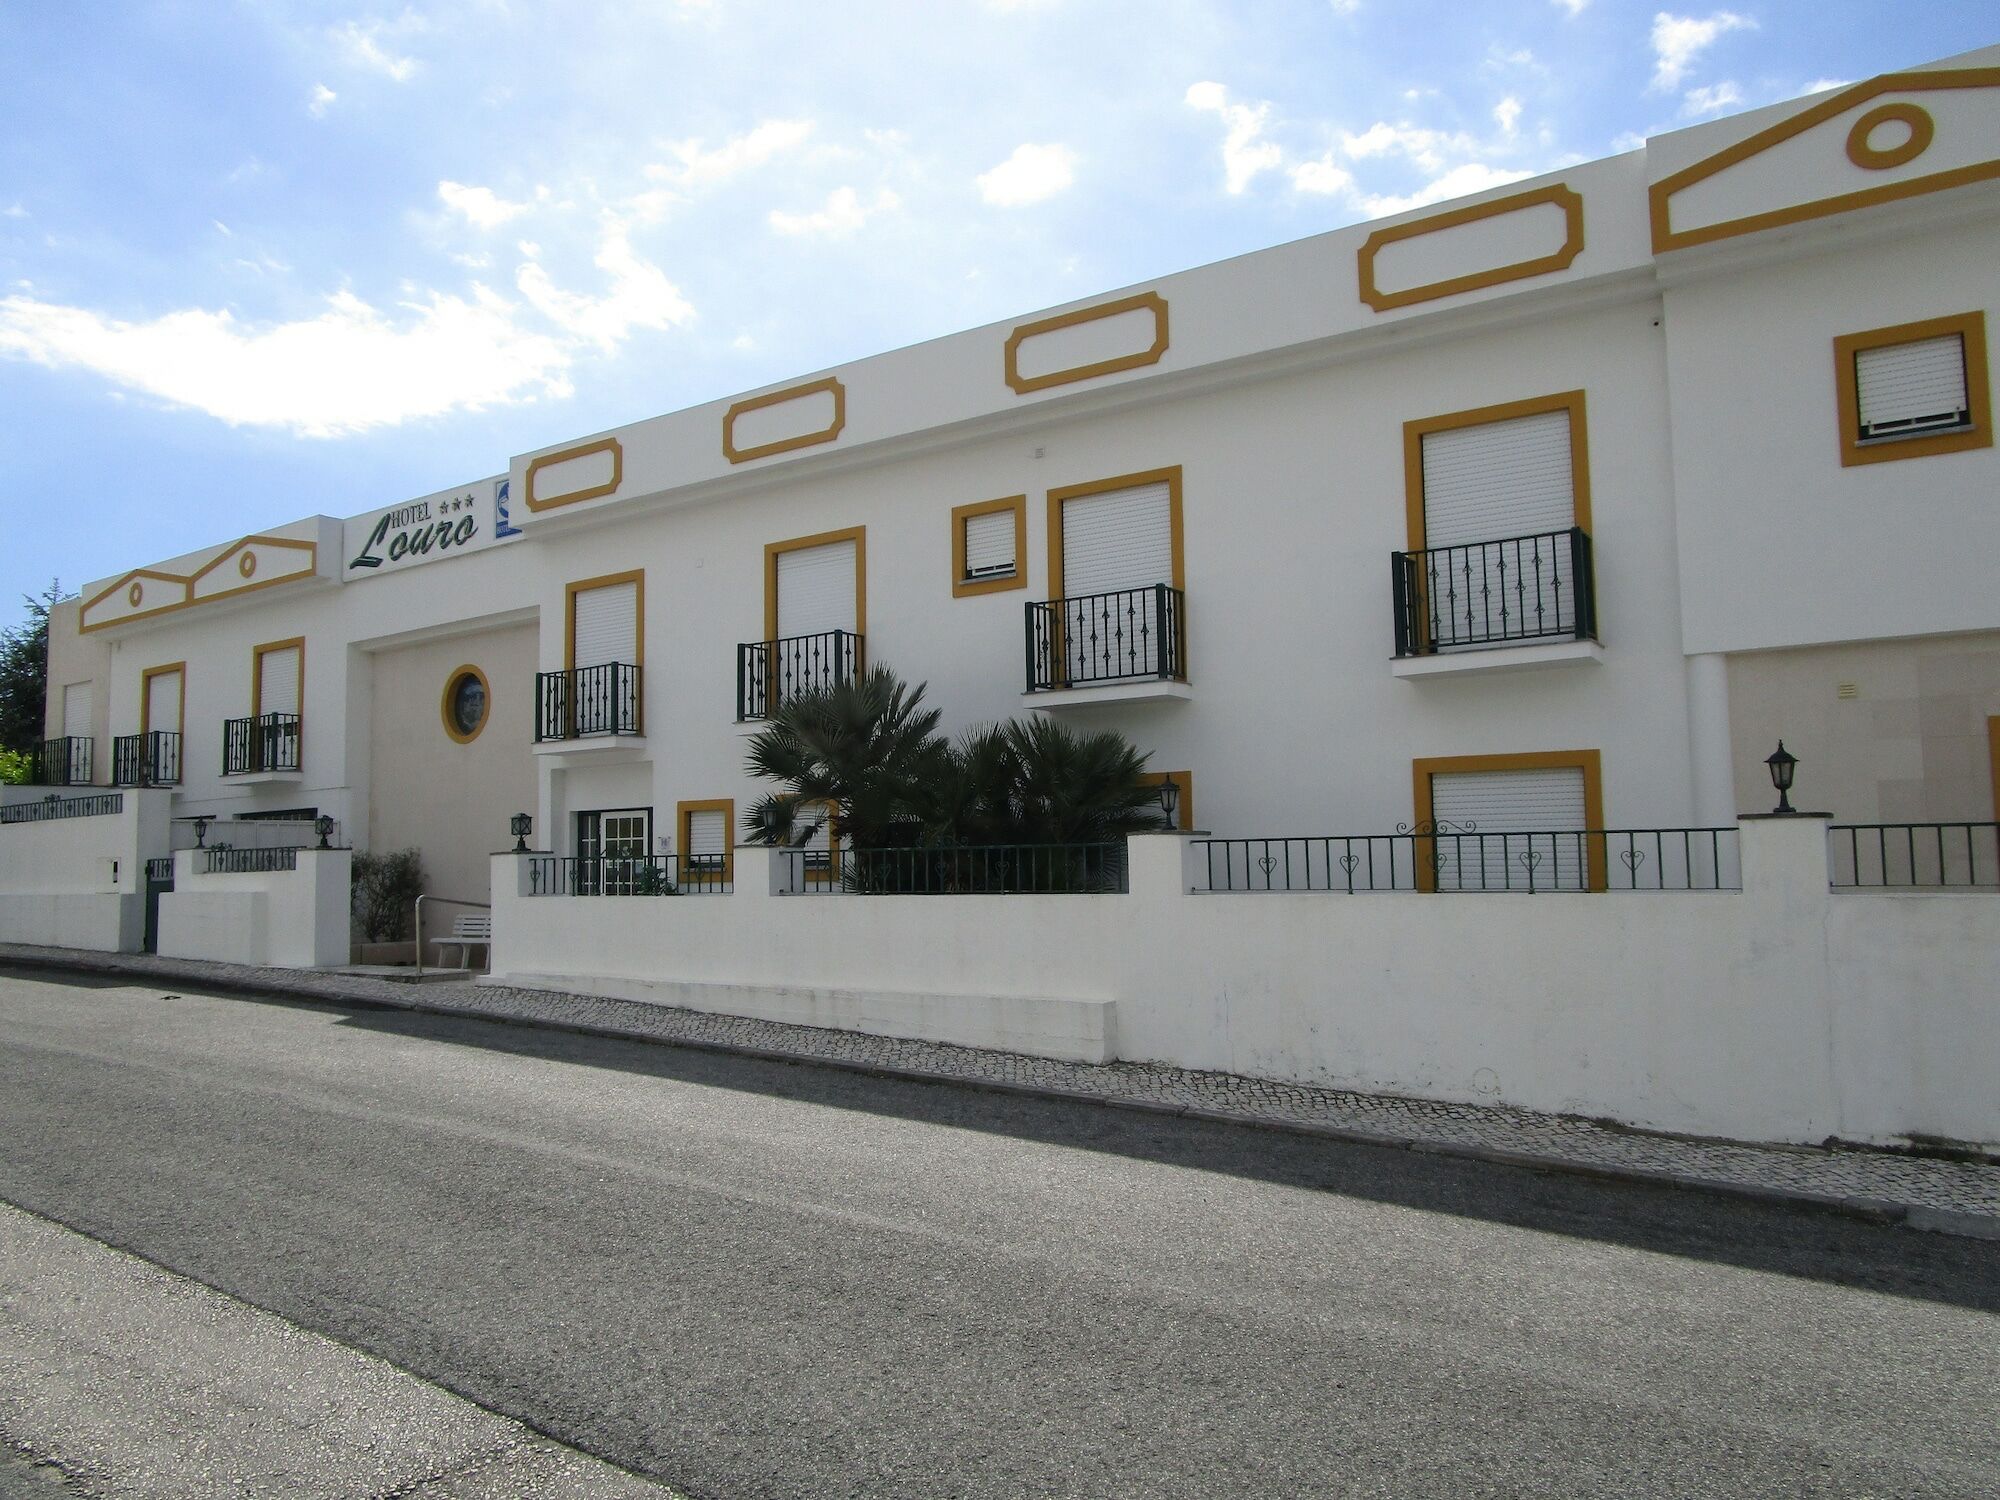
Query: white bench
[469, 932]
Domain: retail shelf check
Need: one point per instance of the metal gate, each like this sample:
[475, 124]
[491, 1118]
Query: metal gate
[159, 880]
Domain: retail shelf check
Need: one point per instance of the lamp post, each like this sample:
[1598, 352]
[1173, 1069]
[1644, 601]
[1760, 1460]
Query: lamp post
[1170, 799]
[521, 825]
[323, 826]
[1781, 764]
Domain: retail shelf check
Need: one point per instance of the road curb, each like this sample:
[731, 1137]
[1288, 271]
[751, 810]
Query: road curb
[1881, 1212]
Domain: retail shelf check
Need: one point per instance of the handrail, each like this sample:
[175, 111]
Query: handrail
[448, 901]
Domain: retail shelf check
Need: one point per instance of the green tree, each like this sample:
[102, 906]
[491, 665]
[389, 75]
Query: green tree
[24, 675]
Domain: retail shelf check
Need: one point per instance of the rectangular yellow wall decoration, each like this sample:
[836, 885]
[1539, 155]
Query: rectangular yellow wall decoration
[585, 472]
[1125, 346]
[773, 429]
[1380, 259]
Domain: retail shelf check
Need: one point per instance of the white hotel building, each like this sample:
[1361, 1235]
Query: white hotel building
[1549, 508]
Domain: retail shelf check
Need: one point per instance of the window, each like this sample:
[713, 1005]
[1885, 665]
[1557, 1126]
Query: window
[1913, 390]
[465, 704]
[814, 585]
[279, 676]
[708, 841]
[162, 699]
[989, 546]
[604, 652]
[1116, 571]
[1500, 822]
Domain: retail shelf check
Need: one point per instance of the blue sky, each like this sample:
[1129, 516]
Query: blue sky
[262, 260]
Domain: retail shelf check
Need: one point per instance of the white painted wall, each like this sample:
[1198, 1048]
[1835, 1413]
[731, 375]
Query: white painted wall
[80, 882]
[285, 919]
[1781, 1012]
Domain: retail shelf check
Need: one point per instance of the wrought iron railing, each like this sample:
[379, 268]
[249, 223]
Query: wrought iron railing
[64, 761]
[151, 759]
[160, 868]
[961, 870]
[1127, 636]
[269, 742]
[101, 804]
[1915, 856]
[1453, 857]
[587, 701]
[770, 672]
[630, 875]
[221, 859]
[1523, 588]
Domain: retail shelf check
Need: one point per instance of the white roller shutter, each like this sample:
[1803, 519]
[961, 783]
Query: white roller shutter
[1499, 479]
[1514, 803]
[278, 681]
[989, 545]
[1912, 387]
[606, 624]
[163, 703]
[76, 711]
[1123, 539]
[816, 590]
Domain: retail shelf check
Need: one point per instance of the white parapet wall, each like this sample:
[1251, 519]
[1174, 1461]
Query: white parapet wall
[75, 876]
[285, 918]
[1782, 1012]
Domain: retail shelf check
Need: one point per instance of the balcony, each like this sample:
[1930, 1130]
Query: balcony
[265, 746]
[1519, 602]
[769, 672]
[1129, 644]
[64, 762]
[601, 702]
[152, 759]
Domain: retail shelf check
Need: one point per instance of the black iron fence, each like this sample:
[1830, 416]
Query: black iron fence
[1126, 636]
[968, 870]
[587, 701]
[769, 672]
[151, 759]
[1460, 858]
[1918, 856]
[51, 807]
[220, 859]
[65, 761]
[268, 742]
[1523, 588]
[160, 869]
[630, 875]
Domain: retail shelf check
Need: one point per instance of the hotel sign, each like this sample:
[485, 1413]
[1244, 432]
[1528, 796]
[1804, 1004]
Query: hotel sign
[467, 519]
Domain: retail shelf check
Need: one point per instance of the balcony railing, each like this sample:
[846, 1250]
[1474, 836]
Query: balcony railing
[1915, 856]
[1520, 589]
[152, 759]
[628, 875]
[587, 701]
[967, 870]
[770, 672]
[1130, 635]
[64, 762]
[51, 807]
[269, 742]
[1450, 857]
[223, 860]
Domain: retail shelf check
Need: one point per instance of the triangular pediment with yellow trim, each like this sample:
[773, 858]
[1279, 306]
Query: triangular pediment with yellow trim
[253, 562]
[1893, 137]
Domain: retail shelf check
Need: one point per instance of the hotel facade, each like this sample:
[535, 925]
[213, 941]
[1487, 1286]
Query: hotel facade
[1550, 509]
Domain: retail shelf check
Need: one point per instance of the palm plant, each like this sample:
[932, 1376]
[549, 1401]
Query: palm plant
[1067, 787]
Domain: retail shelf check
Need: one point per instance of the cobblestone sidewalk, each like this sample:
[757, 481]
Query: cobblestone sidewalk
[1959, 1197]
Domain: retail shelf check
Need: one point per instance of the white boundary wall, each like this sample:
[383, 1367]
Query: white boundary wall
[81, 882]
[285, 919]
[1783, 1012]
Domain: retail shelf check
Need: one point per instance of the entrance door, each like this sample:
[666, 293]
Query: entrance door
[611, 849]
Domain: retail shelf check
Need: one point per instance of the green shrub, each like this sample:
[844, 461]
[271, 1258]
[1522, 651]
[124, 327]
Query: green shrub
[386, 887]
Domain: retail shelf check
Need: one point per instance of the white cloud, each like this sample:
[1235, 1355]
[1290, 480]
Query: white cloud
[1472, 177]
[480, 205]
[349, 369]
[1507, 114]
[1031, 174]
[361, 43]
[1711, 99]
[1429, 149]
[640, 296]
[1679, 40]
[16, 210]
[223, 229]
[1627, 140]
[842, 213]
[696, 166]
[1244, 154]
[1574, 7]
[1344, 7]
[1823, 85]
[322, 100]
[1321, 176]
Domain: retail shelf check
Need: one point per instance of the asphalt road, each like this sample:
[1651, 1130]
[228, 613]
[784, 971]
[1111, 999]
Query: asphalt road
[755, 1279]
